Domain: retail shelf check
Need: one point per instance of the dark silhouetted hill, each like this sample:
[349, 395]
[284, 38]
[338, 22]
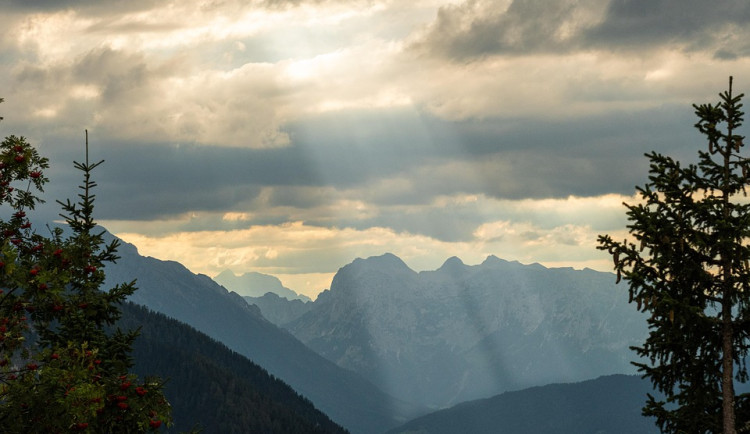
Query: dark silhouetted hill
[606, 405]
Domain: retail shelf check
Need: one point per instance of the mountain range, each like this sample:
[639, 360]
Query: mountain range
[390, 342]
[463, 332]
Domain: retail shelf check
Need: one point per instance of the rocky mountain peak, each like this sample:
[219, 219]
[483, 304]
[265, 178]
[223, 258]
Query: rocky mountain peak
[385, 262]
[452, 265]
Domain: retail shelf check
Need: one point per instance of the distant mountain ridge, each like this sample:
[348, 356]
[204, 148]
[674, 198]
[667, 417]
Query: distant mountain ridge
[279, 310]
[606, 405]
[254, 284]
[465, 332]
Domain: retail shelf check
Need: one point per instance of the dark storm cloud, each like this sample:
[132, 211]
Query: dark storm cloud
[354, 157]
[112, 7]
[150, 181]
[99, 7]
[476, 29]
[119, 74]
[123, 79]
[694, 24]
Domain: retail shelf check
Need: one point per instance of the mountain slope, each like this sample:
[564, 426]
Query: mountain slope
[465, 332]
[606, 405]
[212, 387]
[169, 288]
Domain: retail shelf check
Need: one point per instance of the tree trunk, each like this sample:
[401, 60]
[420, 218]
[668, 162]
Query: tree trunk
[727, 332]
[727, 372]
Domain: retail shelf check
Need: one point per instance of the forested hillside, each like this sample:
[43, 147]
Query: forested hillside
[213, 388]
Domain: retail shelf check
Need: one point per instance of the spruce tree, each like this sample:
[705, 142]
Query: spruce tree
[60, 369]
[687, 265]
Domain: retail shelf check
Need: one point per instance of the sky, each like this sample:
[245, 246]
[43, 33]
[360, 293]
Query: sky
[289, 137]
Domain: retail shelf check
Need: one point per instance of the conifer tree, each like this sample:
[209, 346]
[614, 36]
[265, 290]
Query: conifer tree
[687, 265]
[60, 371]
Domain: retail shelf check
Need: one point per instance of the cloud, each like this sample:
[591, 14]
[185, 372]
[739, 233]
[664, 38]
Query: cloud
[691, 25]
[103, 6]
[340, 167]
[560, 231]
[145, 77]
[127, 96]
[479, 28]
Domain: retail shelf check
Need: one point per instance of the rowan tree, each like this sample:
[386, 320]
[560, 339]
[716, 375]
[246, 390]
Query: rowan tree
[688, 267]
[60, 370]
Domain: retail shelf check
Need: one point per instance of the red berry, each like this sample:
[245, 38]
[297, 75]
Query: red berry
[140, 391]
[57, 253]
[42, 286]
[122, 405]
[124, 386]
[20, 158]
[35, 174]
[32, 366]
[18, 148]
[34, 271]
[154, 424]
[121, 398]
[54, 356]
